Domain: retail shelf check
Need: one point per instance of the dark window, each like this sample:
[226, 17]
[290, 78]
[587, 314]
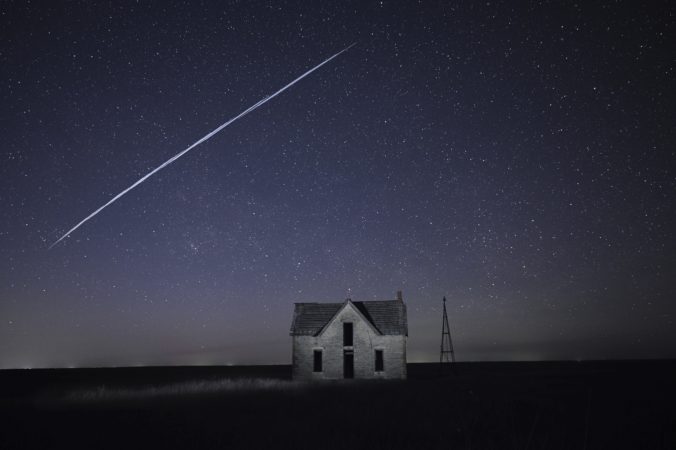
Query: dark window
[380, 364]
[318, 361]
[347, 334]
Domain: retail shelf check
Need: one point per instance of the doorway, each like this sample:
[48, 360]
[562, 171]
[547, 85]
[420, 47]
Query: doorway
[348, 364]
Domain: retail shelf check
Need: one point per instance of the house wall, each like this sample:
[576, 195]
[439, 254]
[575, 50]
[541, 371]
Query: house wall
[366, 341]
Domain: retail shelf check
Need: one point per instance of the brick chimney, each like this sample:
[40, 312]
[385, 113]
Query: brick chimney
[399, 296]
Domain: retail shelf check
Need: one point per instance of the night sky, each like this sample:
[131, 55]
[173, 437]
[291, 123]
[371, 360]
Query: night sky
[520, 162]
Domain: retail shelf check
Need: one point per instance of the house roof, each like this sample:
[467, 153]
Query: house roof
[386, 316]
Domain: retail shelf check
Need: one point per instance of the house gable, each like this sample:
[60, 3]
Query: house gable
[348, 304]
[388, 317]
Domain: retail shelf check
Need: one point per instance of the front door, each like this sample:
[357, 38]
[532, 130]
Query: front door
[348, 364]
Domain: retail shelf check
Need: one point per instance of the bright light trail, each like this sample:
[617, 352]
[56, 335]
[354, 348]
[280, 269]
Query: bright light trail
[203, 139]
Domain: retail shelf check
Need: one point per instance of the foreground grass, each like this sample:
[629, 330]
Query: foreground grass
[177, 390]
[499, 407]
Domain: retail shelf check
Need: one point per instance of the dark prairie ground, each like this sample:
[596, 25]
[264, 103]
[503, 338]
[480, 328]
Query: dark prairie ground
[548, 405]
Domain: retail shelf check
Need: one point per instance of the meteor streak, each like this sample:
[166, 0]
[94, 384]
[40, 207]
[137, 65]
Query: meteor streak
[203, 139]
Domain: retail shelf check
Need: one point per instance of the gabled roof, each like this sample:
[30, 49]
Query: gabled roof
[386, 316]
[349, 304]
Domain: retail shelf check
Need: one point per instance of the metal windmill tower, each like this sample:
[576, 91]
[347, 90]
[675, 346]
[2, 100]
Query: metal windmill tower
[446, 355]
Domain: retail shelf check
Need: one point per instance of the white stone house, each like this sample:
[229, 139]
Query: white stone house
[349, 340]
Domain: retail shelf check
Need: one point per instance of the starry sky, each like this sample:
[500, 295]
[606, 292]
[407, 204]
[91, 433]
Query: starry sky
[520, 162]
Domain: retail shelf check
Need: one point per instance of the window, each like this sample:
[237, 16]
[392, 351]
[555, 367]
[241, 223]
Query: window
[317, 367]
[347, 334]
[380, 363]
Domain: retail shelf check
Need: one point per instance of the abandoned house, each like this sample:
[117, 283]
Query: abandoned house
[349, 339]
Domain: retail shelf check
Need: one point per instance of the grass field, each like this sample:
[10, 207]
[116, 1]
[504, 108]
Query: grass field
[546, 405]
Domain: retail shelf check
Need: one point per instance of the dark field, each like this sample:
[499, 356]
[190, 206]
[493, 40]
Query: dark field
[547, 405]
